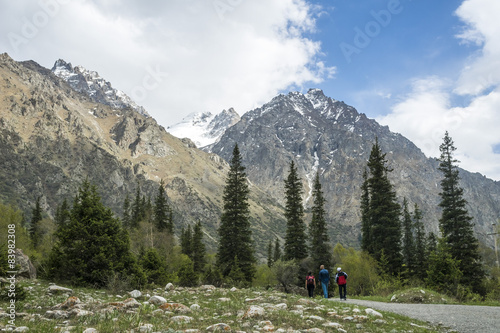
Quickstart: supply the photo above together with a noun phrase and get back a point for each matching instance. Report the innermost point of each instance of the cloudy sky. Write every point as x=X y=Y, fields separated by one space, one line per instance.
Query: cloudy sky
x=419 y=66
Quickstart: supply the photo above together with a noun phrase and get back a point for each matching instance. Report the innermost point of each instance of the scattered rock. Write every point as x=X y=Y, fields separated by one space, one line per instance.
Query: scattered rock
x=131 y=303
x=26 y=268
x=373 y=313
x=224 y=299
x=169 y=287
x=147 y=328
x=57 y=314
x=331 y=324
x=208 y=287
x=181 y=319
x=135 y=293
x=157 y=300
x=219 y=327
x=175 y=307
x=195 y=307
x=317 y=318
x=68 y=304
x=254 y=311
x=54 y=289
x=90 y=330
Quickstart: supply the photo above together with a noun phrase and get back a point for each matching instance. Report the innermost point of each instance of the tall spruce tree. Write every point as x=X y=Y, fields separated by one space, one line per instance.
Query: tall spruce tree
x=277 y=250
x=270 y=254
x=187 y=241
x=92 y=246
x=295 y=239
x=126 y=218
x=384 y=214
x=35 y=230
x=62 y=213
x=234 y=231
x=365 y=215
x=198 y=248
x=321 y=253
x=455 y=222
x=162 y=211
x=137 y=209
x=420 y=244
x=408 y=240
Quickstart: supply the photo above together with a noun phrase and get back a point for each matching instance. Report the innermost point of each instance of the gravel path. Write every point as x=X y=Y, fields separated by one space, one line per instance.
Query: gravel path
x=462 y=318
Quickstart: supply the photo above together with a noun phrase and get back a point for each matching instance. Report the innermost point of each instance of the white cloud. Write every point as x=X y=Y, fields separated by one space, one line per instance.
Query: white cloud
x=427 y=111
x=178 y=57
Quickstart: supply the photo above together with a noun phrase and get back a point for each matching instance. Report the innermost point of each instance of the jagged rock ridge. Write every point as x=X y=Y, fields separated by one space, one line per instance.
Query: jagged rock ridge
x=327 y=136
x=52 y=138
x=97 y=88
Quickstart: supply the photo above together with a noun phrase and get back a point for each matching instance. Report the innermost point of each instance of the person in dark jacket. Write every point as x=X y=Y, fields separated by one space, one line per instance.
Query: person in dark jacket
x=324 y=279
x=310 y=284
x=341 y=279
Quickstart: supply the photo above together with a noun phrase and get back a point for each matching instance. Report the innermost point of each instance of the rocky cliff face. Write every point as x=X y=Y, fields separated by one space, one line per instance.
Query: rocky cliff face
x=94 y=86
x=327 y=136
x=52 y=137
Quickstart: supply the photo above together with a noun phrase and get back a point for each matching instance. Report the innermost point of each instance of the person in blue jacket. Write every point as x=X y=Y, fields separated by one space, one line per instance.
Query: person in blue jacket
x=324 y=279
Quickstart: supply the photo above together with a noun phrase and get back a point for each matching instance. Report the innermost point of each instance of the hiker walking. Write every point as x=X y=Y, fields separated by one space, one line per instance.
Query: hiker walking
x=341 y=279
x=324 y=279
x=310 y=284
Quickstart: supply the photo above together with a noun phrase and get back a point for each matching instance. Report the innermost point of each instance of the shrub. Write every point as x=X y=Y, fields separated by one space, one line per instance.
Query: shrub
x=286 y=273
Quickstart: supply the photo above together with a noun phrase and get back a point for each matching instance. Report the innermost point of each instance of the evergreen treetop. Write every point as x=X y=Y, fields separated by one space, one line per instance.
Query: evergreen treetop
x=234 y=231
x=295 y=239
x=455 y=222
x=318 y=234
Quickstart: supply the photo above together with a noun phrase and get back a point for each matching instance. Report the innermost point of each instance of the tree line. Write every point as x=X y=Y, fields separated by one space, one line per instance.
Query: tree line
x=86 y=244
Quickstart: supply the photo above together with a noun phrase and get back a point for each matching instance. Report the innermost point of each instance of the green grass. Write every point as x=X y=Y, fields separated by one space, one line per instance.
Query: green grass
x=300 y=313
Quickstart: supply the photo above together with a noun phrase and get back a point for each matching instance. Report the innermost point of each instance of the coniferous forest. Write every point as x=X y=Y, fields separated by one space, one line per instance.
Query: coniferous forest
x=85 y=244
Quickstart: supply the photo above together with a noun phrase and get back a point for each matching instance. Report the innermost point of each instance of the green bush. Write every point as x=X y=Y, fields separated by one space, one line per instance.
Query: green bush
x=361 y=268
x=264 y=277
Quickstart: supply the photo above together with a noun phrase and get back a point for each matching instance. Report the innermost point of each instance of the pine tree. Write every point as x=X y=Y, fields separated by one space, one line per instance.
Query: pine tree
x=198 y=249
x=420 y=258
x=137 y=210
x=92 y=246
x=320 y=249
x=384 y=213
x=126 y=218
x=62 y=213
x=234 y=230
x=455 y=222
x=35 y=230
x=277 y=250
x=162 y=211
x=365 y=215
x=187 y=241
x=270 y=254
x=295 y=239
x=408 y=240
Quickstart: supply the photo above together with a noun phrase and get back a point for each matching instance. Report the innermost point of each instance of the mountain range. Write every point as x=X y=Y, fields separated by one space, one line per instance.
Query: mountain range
x=60 y=126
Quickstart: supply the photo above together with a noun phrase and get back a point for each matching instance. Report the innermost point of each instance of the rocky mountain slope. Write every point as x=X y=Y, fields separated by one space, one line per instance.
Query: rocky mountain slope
x=205 y=128
x=94 y=86
x=327 y=136
x=52 y=137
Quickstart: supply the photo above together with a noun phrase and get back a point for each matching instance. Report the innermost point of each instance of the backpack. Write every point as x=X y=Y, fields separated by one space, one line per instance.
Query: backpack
x=310 y=279
x=341 y=279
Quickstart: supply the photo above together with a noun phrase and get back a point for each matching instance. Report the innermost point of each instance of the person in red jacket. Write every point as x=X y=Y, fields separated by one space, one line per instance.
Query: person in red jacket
x=341 y=279
x=310 y=284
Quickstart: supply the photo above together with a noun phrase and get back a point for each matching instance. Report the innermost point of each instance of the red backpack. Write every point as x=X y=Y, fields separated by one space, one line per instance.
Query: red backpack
x=341 y=279
x=310 y=279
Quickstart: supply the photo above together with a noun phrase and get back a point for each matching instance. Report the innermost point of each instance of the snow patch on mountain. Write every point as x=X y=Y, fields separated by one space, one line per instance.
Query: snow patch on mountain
x=205 y=128
x=93 y=85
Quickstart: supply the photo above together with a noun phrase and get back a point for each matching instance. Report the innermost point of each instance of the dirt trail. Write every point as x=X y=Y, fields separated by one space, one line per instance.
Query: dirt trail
x=462 y=318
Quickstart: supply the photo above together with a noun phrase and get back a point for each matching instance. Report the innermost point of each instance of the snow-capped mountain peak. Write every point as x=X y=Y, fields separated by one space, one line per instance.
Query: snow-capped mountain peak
x=96 y=87
x=204 y=128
